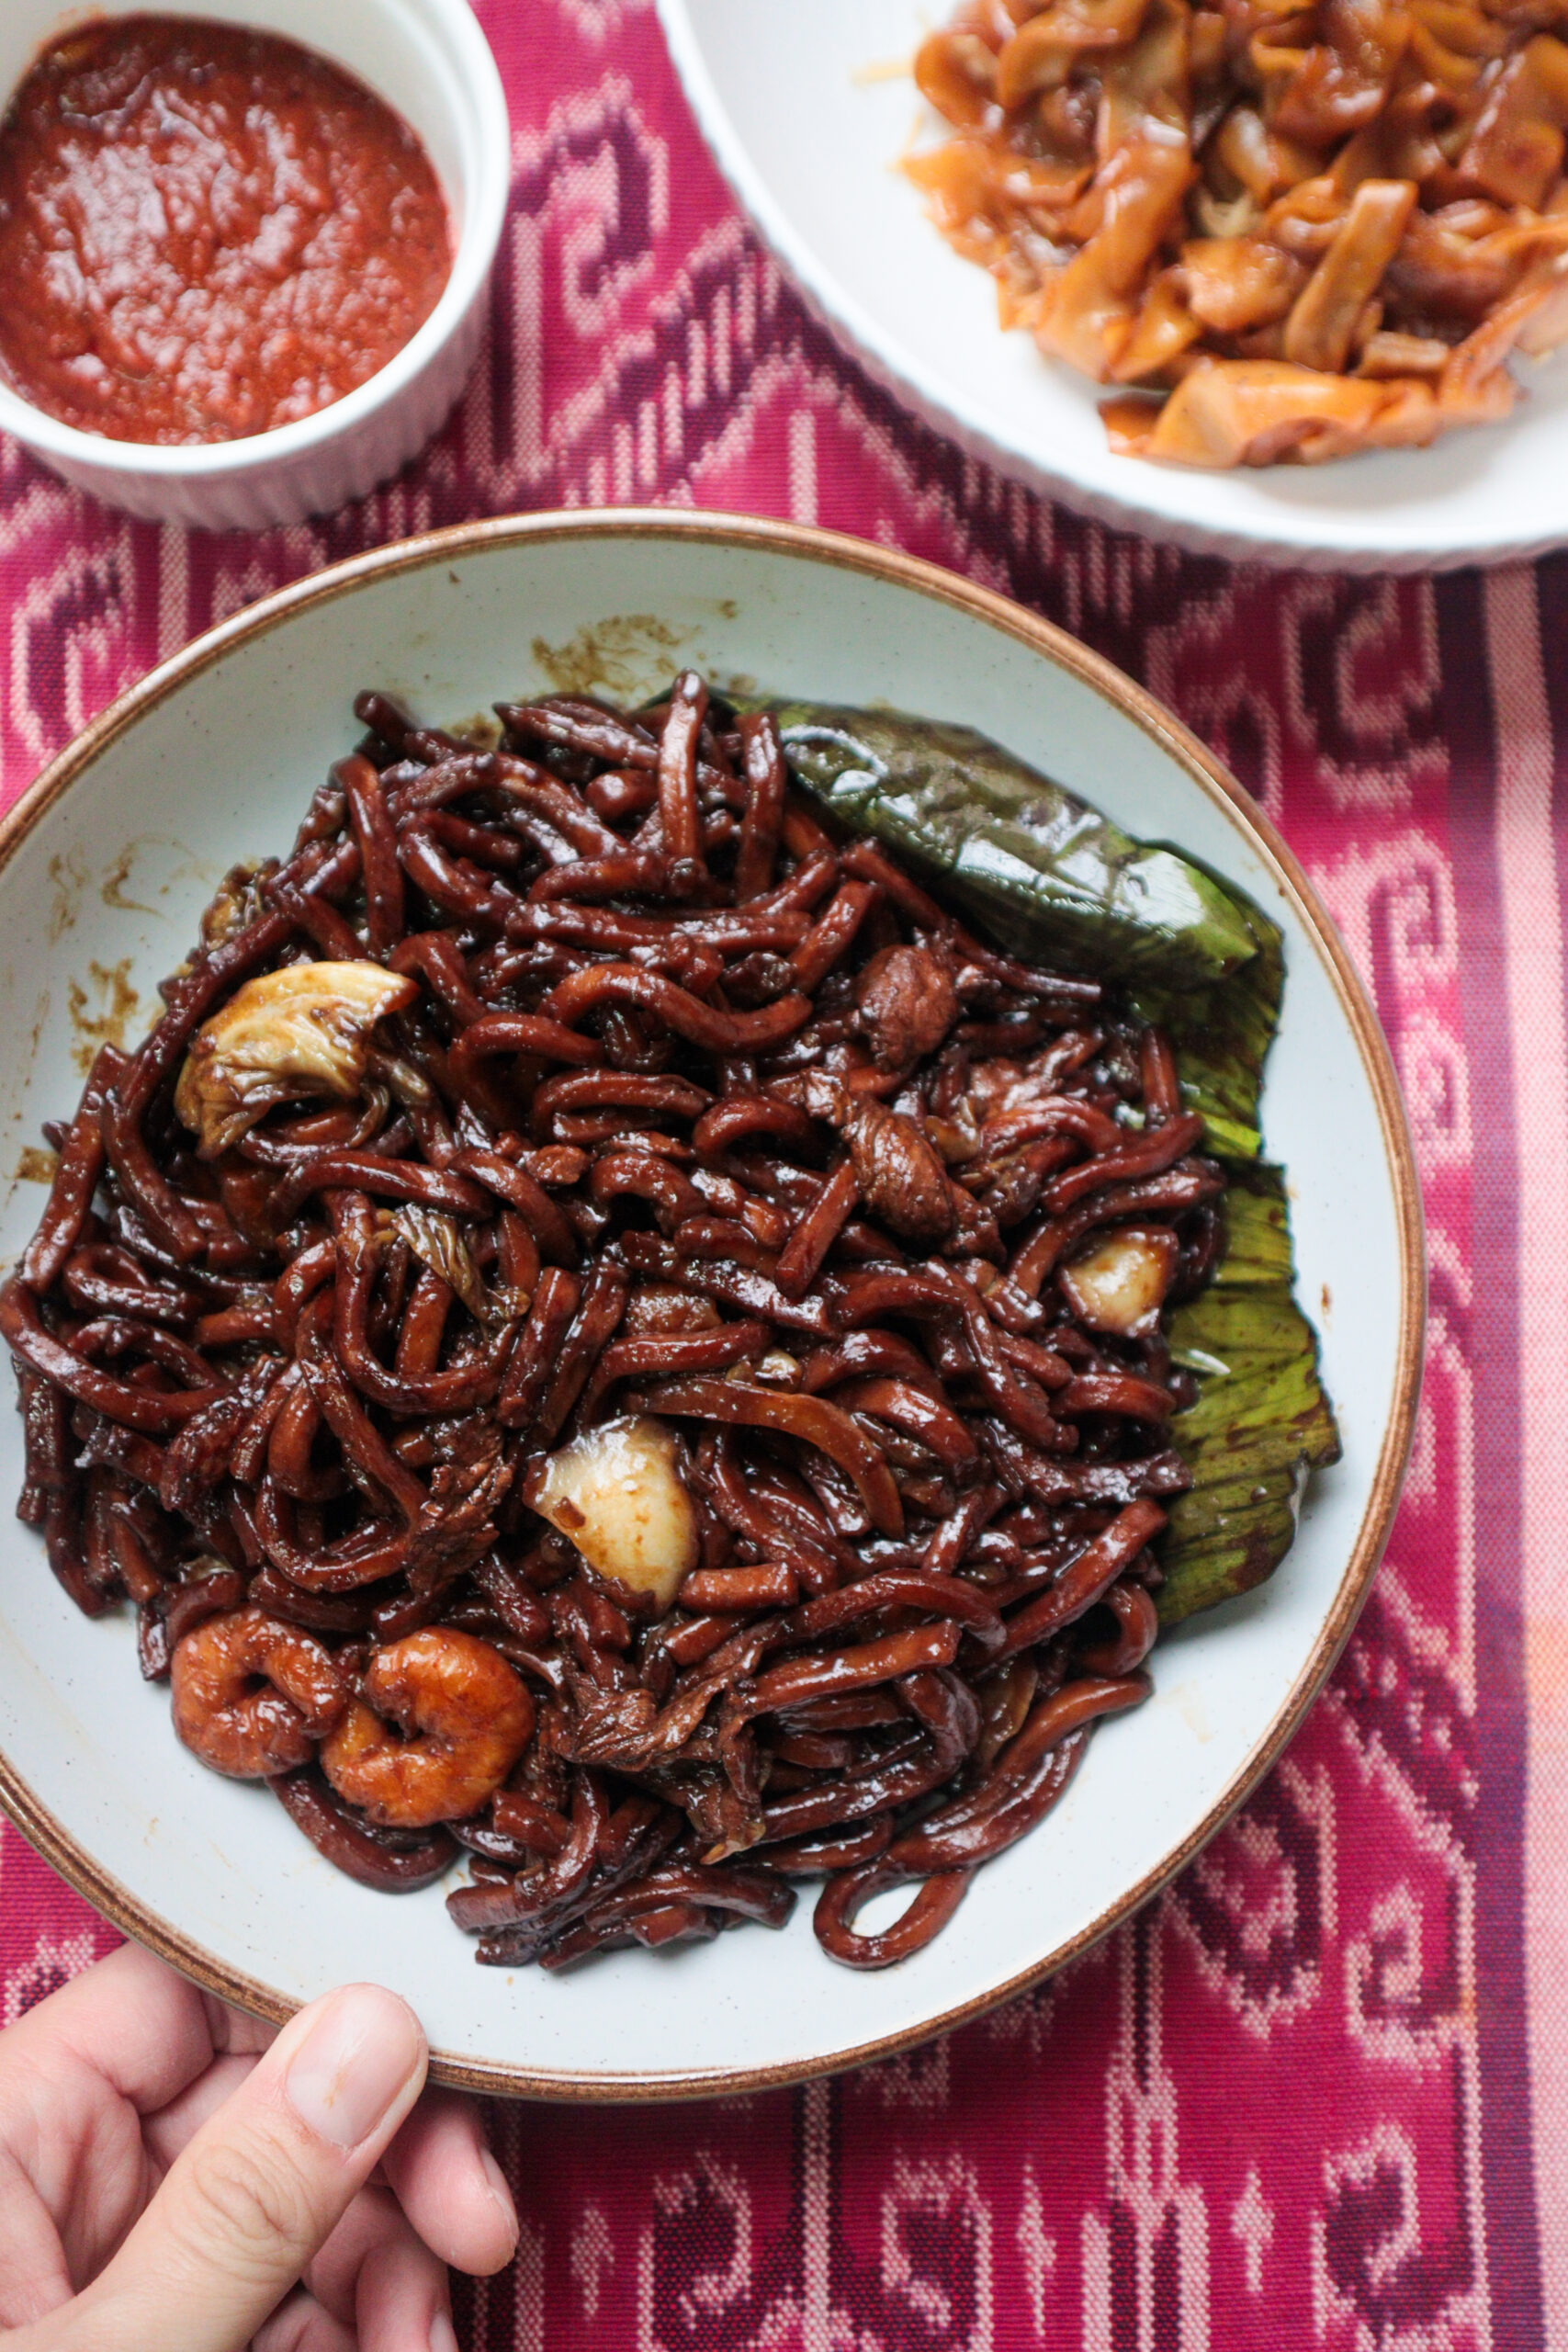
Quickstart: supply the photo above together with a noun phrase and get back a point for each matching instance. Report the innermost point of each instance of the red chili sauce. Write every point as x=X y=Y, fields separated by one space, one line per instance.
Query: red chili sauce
x=206 y=231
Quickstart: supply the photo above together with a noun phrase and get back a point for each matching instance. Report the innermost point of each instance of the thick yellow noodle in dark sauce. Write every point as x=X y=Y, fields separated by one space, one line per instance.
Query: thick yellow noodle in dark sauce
x=649 y=1109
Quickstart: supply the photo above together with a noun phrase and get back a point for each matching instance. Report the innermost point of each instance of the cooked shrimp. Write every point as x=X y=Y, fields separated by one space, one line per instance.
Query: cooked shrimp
x=252 y=1696
x=465 y=1718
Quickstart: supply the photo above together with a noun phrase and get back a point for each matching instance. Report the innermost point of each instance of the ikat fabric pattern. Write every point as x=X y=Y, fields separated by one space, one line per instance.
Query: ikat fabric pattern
x=1315 y=2097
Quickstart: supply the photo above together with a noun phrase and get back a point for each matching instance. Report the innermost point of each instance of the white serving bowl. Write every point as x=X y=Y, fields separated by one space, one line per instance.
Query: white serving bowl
x=429 y=60
x=104 y=868
x=810 y=140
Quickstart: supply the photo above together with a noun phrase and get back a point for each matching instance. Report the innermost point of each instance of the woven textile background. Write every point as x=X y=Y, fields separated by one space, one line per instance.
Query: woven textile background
x=1318 y=2095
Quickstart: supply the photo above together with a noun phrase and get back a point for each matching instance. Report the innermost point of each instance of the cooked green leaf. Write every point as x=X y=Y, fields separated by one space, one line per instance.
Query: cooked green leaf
x=1010 y=845
x=1259 y=1424
x=1222 y=1031
x=1048 y=877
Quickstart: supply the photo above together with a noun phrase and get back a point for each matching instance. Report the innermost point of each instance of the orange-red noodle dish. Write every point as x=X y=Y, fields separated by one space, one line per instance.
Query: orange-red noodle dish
x=1289 y=231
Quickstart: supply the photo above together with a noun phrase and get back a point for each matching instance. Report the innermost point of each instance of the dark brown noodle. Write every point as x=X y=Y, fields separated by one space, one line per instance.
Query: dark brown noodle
x=706 y=1118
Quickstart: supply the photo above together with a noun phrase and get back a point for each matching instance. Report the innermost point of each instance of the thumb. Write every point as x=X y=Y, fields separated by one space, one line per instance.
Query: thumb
x=264 y=2181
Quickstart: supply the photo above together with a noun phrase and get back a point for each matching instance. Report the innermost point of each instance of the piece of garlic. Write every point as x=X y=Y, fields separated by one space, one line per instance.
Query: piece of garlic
x=614 y=1493
x=302 y=1031
x=1119 y=1282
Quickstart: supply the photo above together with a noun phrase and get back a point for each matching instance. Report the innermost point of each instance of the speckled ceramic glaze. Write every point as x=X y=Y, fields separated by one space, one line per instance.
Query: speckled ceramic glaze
x=104 y=868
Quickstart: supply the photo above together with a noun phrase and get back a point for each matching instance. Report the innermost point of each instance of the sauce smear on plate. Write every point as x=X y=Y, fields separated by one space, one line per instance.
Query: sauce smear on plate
x=206 y=231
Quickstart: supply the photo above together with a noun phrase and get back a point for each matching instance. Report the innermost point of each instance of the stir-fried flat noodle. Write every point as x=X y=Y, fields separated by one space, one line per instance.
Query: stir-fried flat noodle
x=603 y=1328
x=1314 y=226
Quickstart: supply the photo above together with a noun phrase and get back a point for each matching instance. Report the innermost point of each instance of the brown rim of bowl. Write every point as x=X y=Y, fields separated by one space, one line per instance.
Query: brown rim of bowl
x=806 y=542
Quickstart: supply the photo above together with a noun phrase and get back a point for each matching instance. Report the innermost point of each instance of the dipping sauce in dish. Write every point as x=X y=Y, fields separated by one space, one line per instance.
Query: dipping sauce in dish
x=206 y=231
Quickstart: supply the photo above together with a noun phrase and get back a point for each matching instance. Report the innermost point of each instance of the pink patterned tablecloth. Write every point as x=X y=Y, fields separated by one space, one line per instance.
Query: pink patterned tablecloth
x=1318 y=2094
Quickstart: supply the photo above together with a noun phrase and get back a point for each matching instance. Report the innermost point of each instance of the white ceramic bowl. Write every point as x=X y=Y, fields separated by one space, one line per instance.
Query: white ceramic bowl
x=429 y=60
x=810 y=142
x=103 y=870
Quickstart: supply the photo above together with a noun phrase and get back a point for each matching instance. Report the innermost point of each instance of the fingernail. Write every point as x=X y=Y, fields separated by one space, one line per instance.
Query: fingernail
x=360 y=2053
x=443 y=2334
x=500 y=2189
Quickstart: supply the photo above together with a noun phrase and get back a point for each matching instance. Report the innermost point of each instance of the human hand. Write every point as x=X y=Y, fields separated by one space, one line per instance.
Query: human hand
x=175 y=2178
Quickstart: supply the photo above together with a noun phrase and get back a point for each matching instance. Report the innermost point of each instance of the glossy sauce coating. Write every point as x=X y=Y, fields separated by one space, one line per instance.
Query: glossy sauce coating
x=703 y=1142
x=206 y=232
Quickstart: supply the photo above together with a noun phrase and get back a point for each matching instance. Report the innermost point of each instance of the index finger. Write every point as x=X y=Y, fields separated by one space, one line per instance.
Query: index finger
x=450 y=2185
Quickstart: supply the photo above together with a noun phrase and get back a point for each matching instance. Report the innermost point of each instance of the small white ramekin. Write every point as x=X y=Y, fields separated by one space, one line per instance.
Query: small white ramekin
x=429 y=60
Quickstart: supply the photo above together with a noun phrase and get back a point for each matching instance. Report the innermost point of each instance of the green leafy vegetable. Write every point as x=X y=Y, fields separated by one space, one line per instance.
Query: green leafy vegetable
x=1261 y=1420
x=1013 y=846
x=1047 y=877
x=1222 y=1030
